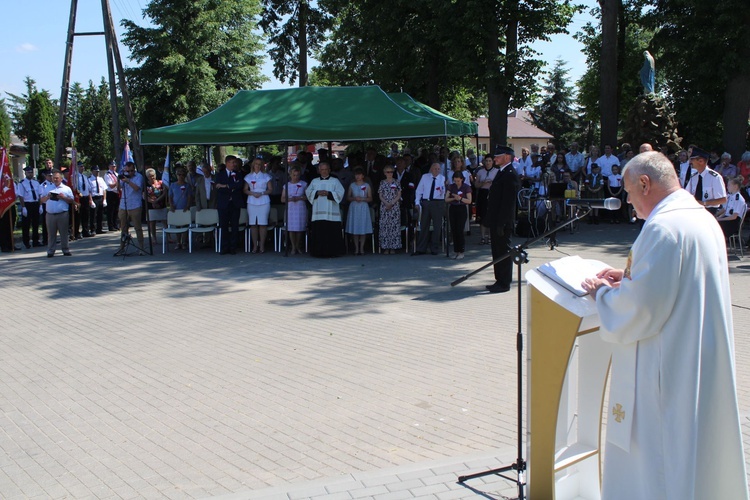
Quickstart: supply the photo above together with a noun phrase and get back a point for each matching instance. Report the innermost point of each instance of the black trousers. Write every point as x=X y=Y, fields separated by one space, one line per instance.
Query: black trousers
x=96 y=215
x=113 y=207
x=229 y=221
x=500 y=242
x=31 y=222
x=81 y=217
x=457 y=216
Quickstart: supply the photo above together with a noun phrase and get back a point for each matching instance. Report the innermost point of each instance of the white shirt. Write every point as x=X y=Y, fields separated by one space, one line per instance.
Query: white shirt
x=683 y=172
x=735 y=205
x=713 y=186
x=614 y=181
x=258 y=183
x=27 y=189
x=97 y=186
x=110 y=178
x=57 y=206
x=574 y=161
x=423 y=188
x=607 y=162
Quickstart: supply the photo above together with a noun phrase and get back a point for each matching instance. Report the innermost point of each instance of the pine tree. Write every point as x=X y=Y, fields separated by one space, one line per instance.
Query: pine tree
x=94 y=131
x=556 y=114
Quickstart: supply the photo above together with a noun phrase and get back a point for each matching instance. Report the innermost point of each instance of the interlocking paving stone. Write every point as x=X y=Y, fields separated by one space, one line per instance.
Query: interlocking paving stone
x=263 y=376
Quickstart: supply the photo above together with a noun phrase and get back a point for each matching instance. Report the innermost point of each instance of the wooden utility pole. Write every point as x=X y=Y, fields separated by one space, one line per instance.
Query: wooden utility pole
x=114 y=62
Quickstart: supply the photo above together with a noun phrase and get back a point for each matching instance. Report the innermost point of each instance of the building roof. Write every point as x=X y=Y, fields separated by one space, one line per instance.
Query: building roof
x=518 y=127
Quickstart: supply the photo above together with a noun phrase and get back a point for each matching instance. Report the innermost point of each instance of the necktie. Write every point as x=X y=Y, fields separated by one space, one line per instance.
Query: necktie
x=699 y=189
x=687 y=176
x=96 y=184
x=33 y=192
x=432 y=188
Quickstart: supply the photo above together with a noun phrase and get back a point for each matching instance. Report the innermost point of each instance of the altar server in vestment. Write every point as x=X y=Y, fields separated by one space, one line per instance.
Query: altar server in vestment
x=325 y=193
x=673 y=427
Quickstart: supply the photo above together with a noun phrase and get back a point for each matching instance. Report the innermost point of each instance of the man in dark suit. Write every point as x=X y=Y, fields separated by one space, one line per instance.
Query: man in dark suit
x=501 y=216
x=229 y=201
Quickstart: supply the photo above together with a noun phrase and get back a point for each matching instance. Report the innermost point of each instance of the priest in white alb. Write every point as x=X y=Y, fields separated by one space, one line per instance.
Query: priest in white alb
x=325 y=193
x=673 y=425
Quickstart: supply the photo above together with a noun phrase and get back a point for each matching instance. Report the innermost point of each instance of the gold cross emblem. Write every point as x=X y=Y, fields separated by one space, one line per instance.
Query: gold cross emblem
x=618 y=412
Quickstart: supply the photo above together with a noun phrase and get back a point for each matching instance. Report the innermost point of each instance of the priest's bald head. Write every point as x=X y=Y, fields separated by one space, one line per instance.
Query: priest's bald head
x=649 y=178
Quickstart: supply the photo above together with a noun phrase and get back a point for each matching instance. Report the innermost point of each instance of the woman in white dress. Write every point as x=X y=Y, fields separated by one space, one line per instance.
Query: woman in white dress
x=258 y=187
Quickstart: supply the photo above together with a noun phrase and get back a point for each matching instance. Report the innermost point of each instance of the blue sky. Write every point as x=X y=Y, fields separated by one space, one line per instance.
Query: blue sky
x=35 y=34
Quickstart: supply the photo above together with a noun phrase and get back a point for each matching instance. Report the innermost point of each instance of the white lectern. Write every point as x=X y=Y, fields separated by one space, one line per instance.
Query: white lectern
x=567 y=370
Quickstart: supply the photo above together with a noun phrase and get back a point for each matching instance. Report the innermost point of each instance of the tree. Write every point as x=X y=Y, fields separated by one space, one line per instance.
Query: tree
x=702 y=49
x=19 y=105
x=196 y=56
x=555 y=113
x=75 y=96
x=94 y=130
x=41 y=123
x=608 y=75
x=5 y=124
x=295 y=29
x=632 y=38
x=421 y=47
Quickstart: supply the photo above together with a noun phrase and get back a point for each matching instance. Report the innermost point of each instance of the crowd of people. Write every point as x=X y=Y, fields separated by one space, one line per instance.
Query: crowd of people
x=339 y=202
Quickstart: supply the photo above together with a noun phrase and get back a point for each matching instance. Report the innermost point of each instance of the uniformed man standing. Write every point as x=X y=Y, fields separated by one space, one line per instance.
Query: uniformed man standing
x=81 y=183
x=501 y=216
x=29 y=192
x=97 y=188
x=705 y=184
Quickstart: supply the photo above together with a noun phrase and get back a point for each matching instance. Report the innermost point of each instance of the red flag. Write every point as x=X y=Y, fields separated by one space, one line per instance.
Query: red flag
x=7 y=188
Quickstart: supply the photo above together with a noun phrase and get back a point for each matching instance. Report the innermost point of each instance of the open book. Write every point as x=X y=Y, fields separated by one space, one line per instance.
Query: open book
x=570 y=272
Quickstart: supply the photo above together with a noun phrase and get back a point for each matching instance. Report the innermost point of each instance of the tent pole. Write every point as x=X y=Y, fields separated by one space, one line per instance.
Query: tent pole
x=285 y=225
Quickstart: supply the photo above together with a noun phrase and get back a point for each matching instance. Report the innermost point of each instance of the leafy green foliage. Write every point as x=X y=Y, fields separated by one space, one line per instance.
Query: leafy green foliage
x=637 y=38
x=282 y=21
x=94 y=127
x=198 y=54
x=555 y=114
x=5 y=124
x=41 y=123
x=700 y=48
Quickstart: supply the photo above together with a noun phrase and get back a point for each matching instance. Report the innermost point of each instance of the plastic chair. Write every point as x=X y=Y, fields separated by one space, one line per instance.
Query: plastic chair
x=206 y=221
x=177 y=222
x=735 y=240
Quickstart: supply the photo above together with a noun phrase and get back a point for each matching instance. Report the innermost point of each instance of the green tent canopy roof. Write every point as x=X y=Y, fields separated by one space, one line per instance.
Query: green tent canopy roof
x=311 y=114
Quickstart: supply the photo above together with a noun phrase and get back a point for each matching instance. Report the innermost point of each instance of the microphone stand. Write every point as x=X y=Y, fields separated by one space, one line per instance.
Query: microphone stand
x=520 y=256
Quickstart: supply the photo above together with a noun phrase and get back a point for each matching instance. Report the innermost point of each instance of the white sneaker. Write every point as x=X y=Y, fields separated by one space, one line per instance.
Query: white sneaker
x=459 y=256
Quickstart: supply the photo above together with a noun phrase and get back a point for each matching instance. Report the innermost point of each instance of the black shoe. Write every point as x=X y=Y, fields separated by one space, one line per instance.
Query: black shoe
x=27 y=246
x=67 y=254
x=78 y=237
x=233 y=251
x=36 y=244
x=86 y=234
x=418 y=253
x=434 y=253
x=100 y=232
x=497 y=288
x=224 y=252
x=50 y=255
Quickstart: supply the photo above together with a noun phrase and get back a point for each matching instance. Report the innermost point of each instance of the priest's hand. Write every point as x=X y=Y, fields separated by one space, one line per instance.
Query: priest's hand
x=613 y=276
x=591 y=285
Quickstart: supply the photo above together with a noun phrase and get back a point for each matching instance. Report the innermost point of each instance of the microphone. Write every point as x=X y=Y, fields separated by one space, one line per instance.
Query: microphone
x=605 y=203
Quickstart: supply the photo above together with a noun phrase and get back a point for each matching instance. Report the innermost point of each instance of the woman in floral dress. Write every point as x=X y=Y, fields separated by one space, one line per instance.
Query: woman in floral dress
x=389 y=193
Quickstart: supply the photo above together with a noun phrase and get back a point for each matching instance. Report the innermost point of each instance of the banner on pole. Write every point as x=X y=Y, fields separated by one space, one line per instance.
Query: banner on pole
x=8 y=189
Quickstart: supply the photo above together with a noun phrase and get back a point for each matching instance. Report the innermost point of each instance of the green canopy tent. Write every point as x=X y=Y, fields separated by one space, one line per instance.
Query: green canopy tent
x=311 y=114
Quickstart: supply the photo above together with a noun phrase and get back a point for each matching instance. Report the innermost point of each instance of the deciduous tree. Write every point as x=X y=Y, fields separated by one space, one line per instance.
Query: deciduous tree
x=196 y=56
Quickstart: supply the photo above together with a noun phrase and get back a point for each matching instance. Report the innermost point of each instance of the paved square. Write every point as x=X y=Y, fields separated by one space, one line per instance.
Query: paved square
x=263 y=376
